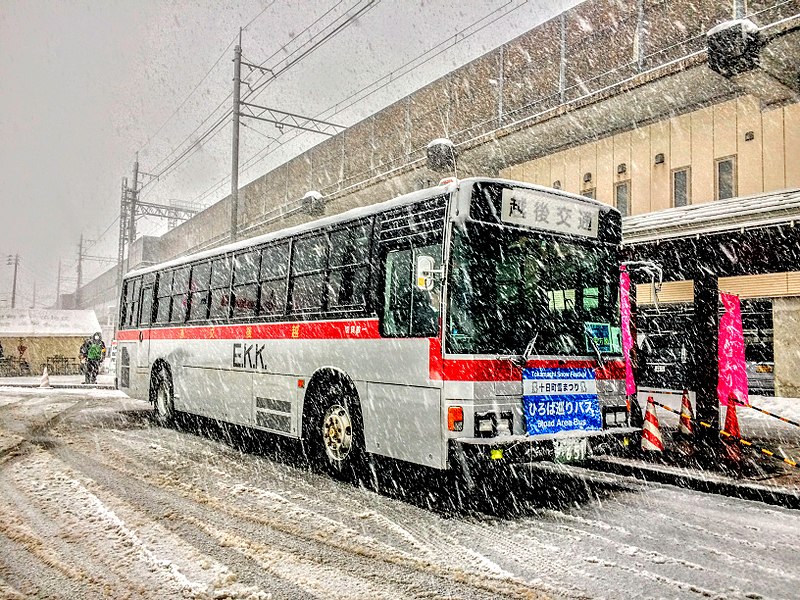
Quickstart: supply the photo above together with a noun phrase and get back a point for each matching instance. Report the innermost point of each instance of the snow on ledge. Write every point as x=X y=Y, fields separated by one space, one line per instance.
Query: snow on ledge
x=746 y=24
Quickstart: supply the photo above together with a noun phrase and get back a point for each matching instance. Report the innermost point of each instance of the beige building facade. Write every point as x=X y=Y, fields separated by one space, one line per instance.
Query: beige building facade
x=731 y=149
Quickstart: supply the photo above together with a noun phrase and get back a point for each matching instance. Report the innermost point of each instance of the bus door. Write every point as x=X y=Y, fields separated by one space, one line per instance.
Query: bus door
x=406 y=408
x=145 y=321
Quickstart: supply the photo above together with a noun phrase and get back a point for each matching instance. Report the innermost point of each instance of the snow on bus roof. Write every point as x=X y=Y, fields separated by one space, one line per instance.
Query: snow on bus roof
x=350 y=215
x=758 y=210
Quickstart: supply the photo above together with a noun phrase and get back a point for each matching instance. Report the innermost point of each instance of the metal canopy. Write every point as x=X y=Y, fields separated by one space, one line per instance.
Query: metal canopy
x=750 y=235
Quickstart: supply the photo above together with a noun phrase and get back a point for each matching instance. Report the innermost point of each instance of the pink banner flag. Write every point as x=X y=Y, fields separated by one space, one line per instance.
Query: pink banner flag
x=627 y=338
x=732 y=369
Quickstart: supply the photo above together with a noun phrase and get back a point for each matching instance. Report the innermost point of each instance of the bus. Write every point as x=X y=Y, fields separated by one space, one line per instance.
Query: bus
x=474 y=323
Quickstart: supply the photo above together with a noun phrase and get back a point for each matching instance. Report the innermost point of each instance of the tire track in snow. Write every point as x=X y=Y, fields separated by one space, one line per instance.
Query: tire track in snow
x=328 y=541
x=123 y=562
x=431 y=549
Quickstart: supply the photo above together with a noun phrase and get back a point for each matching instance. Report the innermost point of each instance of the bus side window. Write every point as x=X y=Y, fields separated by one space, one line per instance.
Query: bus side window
x=309 y=274
x=245 y=283
x=274 y=268
x=199 y=290
x=347 y=280
x=220 y=288
x=147 y=305
x=164 y=297
x=407 y=310
x=397 y=294
x=180 y=295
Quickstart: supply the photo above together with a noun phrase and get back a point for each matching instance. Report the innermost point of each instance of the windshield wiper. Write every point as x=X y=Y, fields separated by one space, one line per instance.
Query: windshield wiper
x=600 y=361
x=520 y=360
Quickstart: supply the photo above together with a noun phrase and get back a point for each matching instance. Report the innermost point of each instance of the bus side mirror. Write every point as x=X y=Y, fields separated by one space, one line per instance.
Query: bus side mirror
x=426 y=269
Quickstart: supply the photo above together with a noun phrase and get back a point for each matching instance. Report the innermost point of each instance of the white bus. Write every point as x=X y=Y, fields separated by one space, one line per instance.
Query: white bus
x=474 y=322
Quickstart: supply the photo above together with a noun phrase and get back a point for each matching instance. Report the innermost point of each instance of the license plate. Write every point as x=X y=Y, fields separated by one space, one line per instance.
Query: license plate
x=660 y=368
x=571 y=449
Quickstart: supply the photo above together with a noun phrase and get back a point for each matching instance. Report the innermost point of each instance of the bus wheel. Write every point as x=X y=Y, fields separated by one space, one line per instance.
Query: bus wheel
x=162 y=398
x=336 y=439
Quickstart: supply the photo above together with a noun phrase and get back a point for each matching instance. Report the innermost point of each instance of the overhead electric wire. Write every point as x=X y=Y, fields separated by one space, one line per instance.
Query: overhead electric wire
x=392 y=77
x=352 y=99
x=199 y=83
x=186 y=99
x=295 y=38
x=363 y=10
x=93 y=242
x=213 y=130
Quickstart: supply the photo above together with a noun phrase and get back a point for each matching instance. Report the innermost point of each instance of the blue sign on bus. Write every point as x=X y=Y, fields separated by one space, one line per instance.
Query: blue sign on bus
x=560 y=400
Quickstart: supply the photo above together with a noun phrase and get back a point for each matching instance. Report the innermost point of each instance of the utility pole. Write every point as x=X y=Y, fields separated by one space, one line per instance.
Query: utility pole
x=80 y=274
x=237 y=85
x=134 y=193
x=58 y=287
x=15 y=261
x=278 y=118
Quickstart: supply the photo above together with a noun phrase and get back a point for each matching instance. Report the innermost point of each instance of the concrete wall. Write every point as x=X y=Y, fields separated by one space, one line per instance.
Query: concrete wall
x=590 y=47
x=786 y=323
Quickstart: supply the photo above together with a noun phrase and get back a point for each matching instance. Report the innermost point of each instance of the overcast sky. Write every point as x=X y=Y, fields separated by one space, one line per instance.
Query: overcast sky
x=85 y=85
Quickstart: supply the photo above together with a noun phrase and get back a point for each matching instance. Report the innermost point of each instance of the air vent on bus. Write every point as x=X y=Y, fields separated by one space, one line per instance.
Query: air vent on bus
x=274 y=421
x=414 y=220
x=273 y=404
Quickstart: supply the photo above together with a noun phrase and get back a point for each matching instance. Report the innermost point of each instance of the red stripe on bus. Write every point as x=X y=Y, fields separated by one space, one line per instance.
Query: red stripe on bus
x=440 y=369
x=314 y=330
x=449 y=369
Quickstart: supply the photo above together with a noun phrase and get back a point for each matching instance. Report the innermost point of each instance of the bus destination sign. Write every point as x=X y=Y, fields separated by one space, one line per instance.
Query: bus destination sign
x=538 y=210
x=560 y=400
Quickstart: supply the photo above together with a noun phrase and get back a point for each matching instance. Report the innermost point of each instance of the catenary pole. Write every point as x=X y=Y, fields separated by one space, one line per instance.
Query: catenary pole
x=14 y=284
x=80 y=274
x=237 y=81
x=58 y=286
x=133 y=193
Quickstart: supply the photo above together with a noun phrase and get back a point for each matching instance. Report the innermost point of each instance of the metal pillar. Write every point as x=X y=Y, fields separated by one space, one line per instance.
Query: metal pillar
x=636 y=417
x=79 y=274
x=133 y=193
x=705 y=367
x=237 y=84
x=15 y=262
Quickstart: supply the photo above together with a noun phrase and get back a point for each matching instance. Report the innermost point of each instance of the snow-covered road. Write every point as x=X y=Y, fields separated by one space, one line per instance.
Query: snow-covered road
x=96 y=502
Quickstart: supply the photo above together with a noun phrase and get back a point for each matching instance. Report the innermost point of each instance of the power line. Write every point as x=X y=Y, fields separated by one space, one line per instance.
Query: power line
x=393 y=76
x=105 y=231
x=297 y=37
x=199 y=83
x=337 y=29
x=274 y=74
x=229 y=112
x=214 y=129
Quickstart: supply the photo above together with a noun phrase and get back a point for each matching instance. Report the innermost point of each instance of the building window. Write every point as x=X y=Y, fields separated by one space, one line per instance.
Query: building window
x=680 y=187
x=725 y=177
x=622 y=197
x=590 y=193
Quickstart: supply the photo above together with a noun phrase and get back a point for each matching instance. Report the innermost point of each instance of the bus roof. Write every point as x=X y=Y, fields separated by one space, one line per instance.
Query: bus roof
x=350 y=215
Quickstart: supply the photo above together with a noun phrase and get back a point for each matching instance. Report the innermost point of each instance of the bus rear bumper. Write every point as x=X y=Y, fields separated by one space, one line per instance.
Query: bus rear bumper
x=569 y=446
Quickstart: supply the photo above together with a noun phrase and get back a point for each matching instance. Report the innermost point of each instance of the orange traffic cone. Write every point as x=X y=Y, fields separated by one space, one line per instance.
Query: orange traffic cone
x=732 y=448
x=686 y=426
x=651 y=434
x=45 y=380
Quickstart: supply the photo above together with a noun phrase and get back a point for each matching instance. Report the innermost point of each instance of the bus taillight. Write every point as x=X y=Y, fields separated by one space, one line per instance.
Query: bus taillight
x=455 y=418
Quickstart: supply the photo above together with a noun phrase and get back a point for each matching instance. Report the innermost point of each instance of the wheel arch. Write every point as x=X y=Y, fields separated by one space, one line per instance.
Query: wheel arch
x=316 y=389
x=160 y=368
